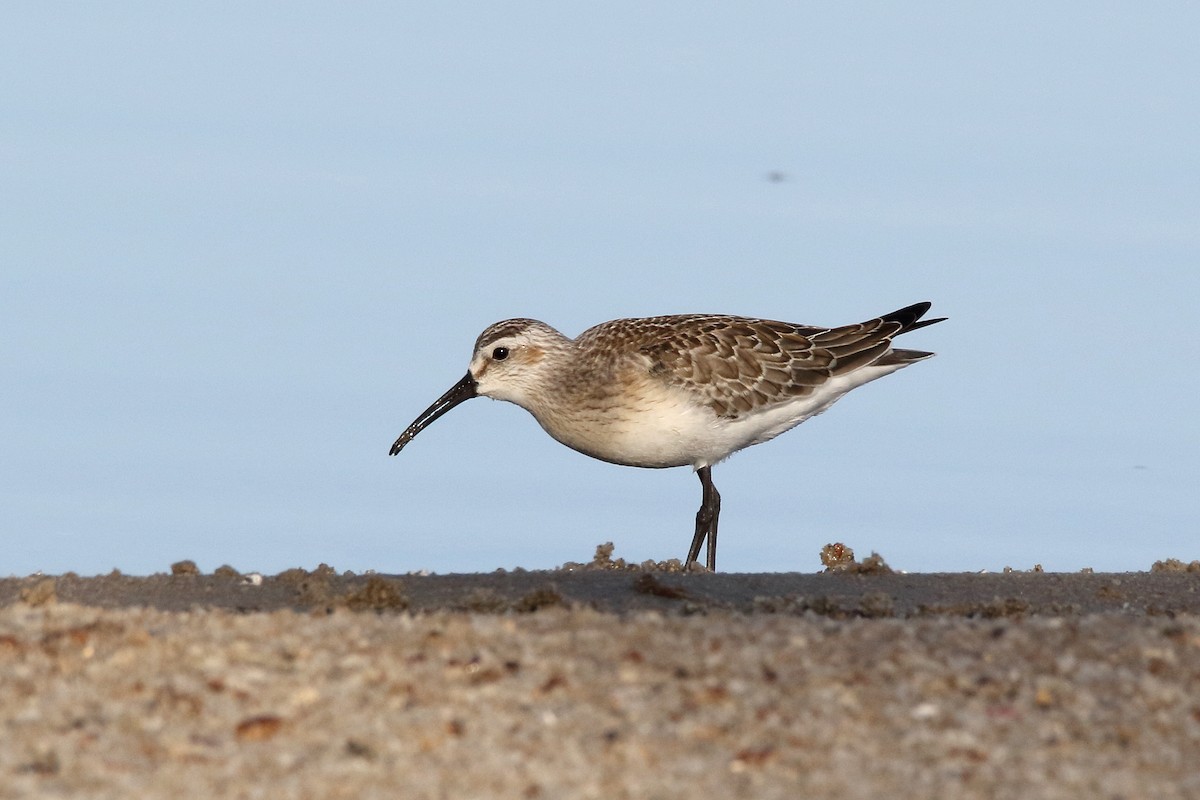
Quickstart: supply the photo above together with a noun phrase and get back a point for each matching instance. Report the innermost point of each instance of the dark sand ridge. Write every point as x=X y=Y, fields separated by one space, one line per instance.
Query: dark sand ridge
x=847 y=588
x=603 y=681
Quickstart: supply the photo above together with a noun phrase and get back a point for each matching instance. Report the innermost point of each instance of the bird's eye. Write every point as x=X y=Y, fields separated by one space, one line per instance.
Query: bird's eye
x=500 y=353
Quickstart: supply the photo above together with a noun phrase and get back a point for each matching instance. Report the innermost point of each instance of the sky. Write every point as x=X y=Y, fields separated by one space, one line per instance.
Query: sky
x=242 y=246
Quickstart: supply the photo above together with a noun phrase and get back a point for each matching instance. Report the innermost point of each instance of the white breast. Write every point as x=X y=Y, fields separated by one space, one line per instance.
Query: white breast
x=662 y=426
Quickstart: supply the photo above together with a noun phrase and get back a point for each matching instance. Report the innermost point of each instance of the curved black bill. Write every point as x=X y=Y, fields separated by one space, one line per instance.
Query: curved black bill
x=463 y=390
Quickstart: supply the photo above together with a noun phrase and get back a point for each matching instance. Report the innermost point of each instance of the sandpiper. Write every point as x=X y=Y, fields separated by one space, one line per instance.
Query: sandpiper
x=673 y=391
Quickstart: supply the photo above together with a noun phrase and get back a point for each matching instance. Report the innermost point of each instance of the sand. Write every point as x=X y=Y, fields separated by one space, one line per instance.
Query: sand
x=604 y=683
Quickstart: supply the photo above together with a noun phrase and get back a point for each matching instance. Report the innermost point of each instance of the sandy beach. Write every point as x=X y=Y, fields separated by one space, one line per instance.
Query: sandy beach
x=602 y=681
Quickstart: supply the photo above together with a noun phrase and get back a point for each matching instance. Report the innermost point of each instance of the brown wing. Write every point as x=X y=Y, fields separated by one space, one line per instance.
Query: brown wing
x=739 y=364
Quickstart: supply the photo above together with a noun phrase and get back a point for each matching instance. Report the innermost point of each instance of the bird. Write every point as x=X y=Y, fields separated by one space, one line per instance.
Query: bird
x=677 y=390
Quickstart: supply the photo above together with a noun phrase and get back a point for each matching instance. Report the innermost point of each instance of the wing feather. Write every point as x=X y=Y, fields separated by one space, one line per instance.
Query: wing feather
x=737 y=365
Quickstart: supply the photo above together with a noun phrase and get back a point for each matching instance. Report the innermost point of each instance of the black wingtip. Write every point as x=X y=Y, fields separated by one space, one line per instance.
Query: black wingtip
x=909 y=317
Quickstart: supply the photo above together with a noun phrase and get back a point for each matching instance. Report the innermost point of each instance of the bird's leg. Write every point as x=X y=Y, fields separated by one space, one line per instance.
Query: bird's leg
x=706 y=520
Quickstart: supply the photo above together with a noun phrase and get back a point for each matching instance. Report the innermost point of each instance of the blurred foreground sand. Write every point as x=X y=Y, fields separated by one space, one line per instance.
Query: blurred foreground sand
x=790 y=696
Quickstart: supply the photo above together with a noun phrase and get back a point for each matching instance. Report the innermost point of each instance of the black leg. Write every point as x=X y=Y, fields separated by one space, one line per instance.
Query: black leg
x=706 y=520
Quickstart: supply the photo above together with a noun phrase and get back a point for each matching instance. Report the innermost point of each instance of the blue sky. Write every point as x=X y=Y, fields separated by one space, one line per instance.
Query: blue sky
x=244 y=245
